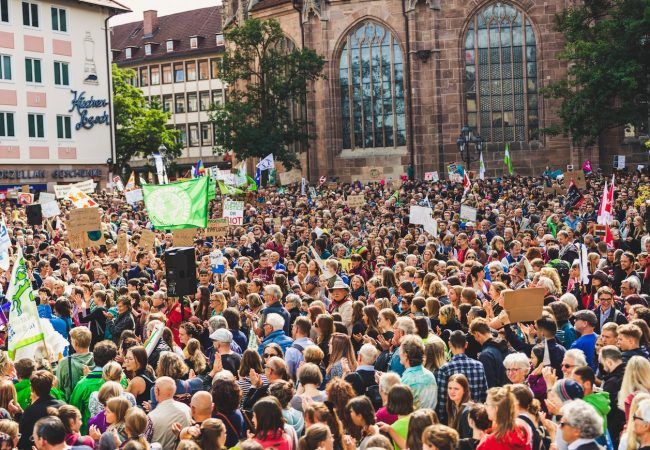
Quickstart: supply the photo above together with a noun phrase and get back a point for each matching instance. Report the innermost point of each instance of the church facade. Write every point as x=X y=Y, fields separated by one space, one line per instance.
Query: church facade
x=403 y=77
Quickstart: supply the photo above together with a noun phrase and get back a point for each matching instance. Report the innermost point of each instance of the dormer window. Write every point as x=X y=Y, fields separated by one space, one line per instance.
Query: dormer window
x=220 y=39
x=194 y=42
x=170 y=46
x=128 y=53
x=147 y=49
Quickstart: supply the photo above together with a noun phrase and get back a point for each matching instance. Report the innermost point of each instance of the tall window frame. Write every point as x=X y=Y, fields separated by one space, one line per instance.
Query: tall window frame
x=372 y=83
x=501 y=91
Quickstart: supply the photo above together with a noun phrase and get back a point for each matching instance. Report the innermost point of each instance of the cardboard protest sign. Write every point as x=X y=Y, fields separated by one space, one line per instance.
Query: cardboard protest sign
x=578 y=176
x=290 y=177
x=25 y=188
x=147 y=240
x=524 y=305
x=356 y=201
x=217 y=227
x=184 y=237
x=85 y=227
x=122 y=244
x=376 y=173
x=468 y=213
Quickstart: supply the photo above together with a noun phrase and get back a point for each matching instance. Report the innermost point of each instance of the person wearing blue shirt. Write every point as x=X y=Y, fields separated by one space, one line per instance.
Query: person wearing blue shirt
x=585 y=324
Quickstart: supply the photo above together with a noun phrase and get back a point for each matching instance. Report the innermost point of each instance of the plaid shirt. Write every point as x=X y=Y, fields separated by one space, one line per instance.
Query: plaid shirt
x=475 y=374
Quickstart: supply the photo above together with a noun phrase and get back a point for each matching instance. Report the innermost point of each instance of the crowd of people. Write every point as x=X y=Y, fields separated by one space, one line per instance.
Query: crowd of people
x=339 y=328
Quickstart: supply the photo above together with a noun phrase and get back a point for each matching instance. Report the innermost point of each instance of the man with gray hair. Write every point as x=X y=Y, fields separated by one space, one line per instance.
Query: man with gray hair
x=403 y=327
x=167 y=412
x=273 y=332
x=363 y=379
x=630 y=286
x=272 y=297
x=580 y=426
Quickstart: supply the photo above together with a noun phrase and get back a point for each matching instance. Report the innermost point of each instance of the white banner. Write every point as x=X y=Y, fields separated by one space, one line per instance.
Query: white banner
x=5 y=243
x=50 y=209
x=134 y=196
x=419 y=215
x=468 y=213
x=87 y=187
x=46 y=197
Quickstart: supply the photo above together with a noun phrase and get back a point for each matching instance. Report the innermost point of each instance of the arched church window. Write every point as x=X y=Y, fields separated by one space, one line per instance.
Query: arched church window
x=501 y=85
x=371 y=73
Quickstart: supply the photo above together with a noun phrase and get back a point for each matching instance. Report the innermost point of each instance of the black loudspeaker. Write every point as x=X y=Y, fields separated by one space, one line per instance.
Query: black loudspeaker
x=180 y=263
x=34 y=214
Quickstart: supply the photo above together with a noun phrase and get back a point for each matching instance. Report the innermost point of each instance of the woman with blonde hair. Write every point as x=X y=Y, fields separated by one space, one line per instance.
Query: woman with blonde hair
x=435 y=353
x=508 y=431
x=98 y=400
x=635 y=380
x=116 y=411
x=9 y=398
x=194 y=357
x=551 y=273
x=629 y=440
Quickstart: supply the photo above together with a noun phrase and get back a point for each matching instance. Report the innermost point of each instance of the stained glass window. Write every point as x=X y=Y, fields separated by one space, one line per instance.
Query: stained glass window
x=501 y=92
x=371 y=74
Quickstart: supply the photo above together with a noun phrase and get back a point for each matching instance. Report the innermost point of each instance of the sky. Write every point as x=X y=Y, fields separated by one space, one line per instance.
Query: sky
x=163 y=7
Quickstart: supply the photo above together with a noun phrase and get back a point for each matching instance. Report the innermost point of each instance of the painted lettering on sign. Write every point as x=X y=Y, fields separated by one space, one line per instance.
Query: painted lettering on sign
x=83 y=105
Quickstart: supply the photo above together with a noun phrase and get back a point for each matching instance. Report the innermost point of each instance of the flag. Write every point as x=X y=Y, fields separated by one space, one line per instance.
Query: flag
x=130 y=185
x=258 y=177
x=154 y=338
x=25 y=333
x=212 y=189
x=266 y=163
x=481 y=168
x=228 y=190
x=178 y=205
x=586 y=167
x=584 y=264
x=609 y=238
x=573 y=197
x=605 y=210
x=160 y=168
x=5 y=243
x=303 y=183
x=199 y=170
x=467 y=184
x=396 y=197
x=507 y=160
x=252 y=185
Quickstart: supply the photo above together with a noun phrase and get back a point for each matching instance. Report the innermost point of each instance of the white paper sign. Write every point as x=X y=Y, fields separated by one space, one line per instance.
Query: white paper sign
x=234 y=212
x=431 y=176
x=431 y=227
x=50 y=209
x=419 y=215
x=79 y=199
x=619 y=162
x=87 y=187
x=468 y=213
x=134 y=196
x=46 y=197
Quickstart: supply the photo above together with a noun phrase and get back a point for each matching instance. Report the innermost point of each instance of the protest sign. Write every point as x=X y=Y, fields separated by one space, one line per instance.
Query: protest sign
x=356 y=201
x=431 y=176
x=122 y=244
x=217 y=227
x=468 y=213
x=117 y=183
x=79 y=199
x=524 y=305
x=134 y=196
x=85 y=227
x=87 y=187
x=578 y=176
x=376 y=173
x=50 y=209
x=234 y=212
x=46 y=197
x=25 y=198
x=147 y=240
x=290 y=177
x=184 y=237
x=25 y=188
x=419 y=215
x=431 y=227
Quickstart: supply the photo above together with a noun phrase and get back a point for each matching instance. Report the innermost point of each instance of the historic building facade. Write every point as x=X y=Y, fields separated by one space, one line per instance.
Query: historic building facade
x=475 y=62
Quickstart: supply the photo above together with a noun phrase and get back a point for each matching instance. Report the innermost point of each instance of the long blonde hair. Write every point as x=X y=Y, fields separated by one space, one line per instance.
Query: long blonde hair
x=636 y=379
x=632 y=440
x=552 y=274
x=505 y=403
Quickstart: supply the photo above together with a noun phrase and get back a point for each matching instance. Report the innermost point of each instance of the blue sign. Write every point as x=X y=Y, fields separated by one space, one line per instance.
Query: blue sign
x=83 y=105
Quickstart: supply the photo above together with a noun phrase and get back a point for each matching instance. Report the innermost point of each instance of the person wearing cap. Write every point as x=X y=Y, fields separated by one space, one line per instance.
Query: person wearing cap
x=274 y=333
x=341 y=302
x=585 y=324
x=606 y=311
x=222 y=338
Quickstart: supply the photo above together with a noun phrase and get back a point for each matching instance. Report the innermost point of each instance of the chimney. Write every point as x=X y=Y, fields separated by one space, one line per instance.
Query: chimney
x=150 y=22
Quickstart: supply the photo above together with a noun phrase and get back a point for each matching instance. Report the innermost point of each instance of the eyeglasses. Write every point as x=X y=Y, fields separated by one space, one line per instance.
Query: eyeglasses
x=635 y=417
x=564 y=424
x=568 y=366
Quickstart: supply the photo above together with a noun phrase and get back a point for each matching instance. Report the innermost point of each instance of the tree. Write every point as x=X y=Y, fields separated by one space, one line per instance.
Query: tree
x=607 y=43
x=266 y=77
x=140 y=128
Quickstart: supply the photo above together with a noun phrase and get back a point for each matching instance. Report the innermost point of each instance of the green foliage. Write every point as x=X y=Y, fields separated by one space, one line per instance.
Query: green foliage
x=266 y=79
x=140 y=128
x=607 y=43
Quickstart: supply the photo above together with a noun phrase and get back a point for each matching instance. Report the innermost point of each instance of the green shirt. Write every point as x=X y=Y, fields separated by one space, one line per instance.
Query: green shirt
x=401 y=427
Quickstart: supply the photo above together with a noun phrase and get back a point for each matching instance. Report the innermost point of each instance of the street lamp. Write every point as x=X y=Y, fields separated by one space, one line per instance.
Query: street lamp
x=465 y=139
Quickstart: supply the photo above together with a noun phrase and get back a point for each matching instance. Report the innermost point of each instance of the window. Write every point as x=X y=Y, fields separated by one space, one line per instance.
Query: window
x=7 y=124
x=155 y=75
x=4 y=11
x=191 y=70
x=194 y=134
x=61 y=77
x=179 y=73
x=192 y=105
x=501 y=75
x=217 y=97
x=5 y=67
x=144 y=77
x=167 y=74
x=30 y=14
x=371 y=74
x=59 y=19
x=205 y=134
x=35 y=123
x=33 y=70
x=170 y=46
x=179 y=103
x=147 y=49
x=182 y=138
x=128 y=53
x=63 y=127
x=167 y=103
x=204 y=101
x=219 y=39
x=214 y=68
x=194 y=42
x=204 y=70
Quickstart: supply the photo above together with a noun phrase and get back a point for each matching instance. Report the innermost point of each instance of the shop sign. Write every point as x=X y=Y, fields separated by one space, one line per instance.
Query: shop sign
x=85 y=106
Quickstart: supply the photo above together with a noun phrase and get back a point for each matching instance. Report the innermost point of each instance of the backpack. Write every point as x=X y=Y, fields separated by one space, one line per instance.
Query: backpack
x=372 y=392
x=184 y=397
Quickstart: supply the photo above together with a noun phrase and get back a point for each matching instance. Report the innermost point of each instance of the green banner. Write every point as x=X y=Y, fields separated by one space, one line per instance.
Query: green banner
x=178 y=205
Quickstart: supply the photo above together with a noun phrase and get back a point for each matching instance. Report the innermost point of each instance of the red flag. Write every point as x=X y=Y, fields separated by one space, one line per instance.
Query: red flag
x=609 y=239
x=605 y=209
x=467 y=184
